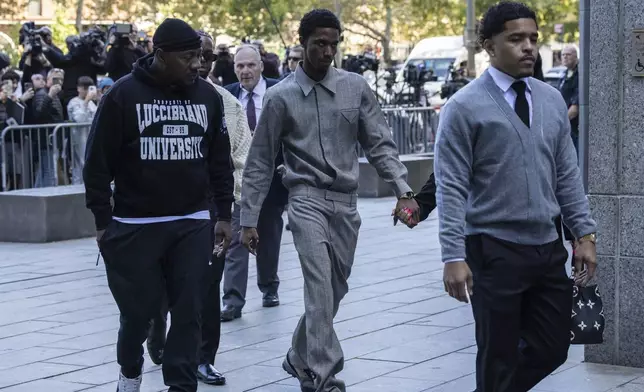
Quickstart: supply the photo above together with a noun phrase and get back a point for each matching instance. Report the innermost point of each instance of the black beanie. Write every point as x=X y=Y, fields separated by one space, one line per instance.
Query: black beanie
x=4 y=61
x=175 y=35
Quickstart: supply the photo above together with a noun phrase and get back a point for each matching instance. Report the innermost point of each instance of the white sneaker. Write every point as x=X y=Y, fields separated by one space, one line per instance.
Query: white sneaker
x=129 y=384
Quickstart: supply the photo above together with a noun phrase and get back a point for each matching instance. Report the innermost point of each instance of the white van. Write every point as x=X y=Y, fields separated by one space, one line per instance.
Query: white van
x=438 y=54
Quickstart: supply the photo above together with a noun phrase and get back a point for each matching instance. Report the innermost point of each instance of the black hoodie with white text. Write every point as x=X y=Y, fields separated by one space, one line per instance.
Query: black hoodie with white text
x=166 y=149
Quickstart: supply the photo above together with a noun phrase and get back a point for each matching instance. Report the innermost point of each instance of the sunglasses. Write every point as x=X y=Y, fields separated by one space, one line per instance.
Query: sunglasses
x=209 y=56
x=294 y=59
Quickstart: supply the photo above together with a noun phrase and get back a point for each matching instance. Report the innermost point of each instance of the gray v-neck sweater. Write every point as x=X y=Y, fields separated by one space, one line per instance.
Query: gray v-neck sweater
x=496 y=176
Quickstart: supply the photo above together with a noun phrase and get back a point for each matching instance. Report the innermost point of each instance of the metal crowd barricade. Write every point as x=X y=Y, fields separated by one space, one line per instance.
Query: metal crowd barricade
x=22 y=147
x=33 y=156
x=69 y=141
x=413 y=129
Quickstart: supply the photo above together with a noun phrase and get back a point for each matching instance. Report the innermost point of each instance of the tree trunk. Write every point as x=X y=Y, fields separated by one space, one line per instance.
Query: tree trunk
x=79 y=16
x=386 y=40
x=338 y=13
x=386 y=51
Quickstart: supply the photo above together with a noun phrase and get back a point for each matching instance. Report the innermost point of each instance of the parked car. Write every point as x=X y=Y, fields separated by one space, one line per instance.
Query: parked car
x=554 y=75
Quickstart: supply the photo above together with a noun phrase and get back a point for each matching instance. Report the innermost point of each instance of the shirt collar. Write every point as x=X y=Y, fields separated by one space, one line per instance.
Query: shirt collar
x=259 y=90
x=505 y=81
x=572 y=71
x=207 y=79
x=306 y=83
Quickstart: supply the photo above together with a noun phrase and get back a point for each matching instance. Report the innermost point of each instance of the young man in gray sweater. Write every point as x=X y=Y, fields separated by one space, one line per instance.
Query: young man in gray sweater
x=505 y=170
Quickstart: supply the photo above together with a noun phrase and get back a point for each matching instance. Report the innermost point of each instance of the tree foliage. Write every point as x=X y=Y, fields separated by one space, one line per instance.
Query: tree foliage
x=379 y=20
x=61 y=28
x=448 y=17
x=239 y=19
x=13 y=9
x=9 y=43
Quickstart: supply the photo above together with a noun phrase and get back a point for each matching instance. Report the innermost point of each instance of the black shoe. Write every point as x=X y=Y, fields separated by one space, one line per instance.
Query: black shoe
x=207 y=374
x=156 y=340
x=229 y=313
x=270 y=300
x=305 y=377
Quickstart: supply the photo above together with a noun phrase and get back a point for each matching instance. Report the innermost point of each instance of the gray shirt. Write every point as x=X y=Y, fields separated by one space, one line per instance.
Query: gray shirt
x=318 y=125
x=496 y=176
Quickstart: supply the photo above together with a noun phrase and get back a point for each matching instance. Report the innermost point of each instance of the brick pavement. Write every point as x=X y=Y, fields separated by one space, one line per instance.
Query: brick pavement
x=400 y=332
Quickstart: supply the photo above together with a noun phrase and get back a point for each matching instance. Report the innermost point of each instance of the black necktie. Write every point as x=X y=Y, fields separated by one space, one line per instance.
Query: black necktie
x=521 y=106
x=250 y=112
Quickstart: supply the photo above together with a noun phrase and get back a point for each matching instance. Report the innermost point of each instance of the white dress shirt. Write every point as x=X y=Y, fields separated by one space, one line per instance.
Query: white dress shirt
x=258 y=97
x=505 y=81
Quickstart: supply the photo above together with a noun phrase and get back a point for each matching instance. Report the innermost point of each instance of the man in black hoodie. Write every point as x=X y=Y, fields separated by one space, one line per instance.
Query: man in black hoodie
x=159 y=134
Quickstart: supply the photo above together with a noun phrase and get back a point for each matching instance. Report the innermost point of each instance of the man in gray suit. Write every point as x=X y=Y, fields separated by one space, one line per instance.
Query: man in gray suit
x=506 y=169
x=318 y=115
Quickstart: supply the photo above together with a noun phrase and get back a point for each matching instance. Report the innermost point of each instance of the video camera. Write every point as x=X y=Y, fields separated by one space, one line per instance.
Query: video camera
x=90 y=42
x=30 y=36
x=456 y=82
x=360 y=64
x=417 y=75
x=121 y=33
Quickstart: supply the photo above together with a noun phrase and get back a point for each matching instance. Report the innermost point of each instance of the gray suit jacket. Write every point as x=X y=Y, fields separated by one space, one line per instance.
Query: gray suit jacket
x=496 y=176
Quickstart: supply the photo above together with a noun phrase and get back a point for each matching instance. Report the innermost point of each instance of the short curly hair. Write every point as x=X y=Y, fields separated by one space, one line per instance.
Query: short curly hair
x=317 y=18
x=493 y=22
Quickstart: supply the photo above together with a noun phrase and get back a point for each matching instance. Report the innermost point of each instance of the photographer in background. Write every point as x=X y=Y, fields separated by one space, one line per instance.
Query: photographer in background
x=12 y=112
x=144 y=41
x=360 y=63
x=103 y=87
x=86 y=57
x=293 y=58
x=122 y=50
x=456 y=81
x=5 y=62
x=224 y=70
x=46 y=109
x=33 y=61
x=271 y=61
x=14 y=91
x=81 y=109
x=16 y=87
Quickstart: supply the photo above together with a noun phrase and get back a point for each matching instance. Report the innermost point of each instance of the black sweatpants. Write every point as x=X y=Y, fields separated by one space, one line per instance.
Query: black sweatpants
x=211 y=328
x=144 y=262
x=522 y=301
x=211 y=314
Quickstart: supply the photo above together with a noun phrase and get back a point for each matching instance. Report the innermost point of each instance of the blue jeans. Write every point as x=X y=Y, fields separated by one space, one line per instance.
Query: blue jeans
x=78 y=141
x=45 y=173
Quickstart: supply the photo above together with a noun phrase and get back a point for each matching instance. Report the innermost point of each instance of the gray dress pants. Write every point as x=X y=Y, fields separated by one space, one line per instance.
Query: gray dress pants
x=325 y=228
x=270 y=228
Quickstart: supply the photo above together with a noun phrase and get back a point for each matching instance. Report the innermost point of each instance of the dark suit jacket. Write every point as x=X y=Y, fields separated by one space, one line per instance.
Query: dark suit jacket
x=277 y=194
x=569 y=88
x=235 y=88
